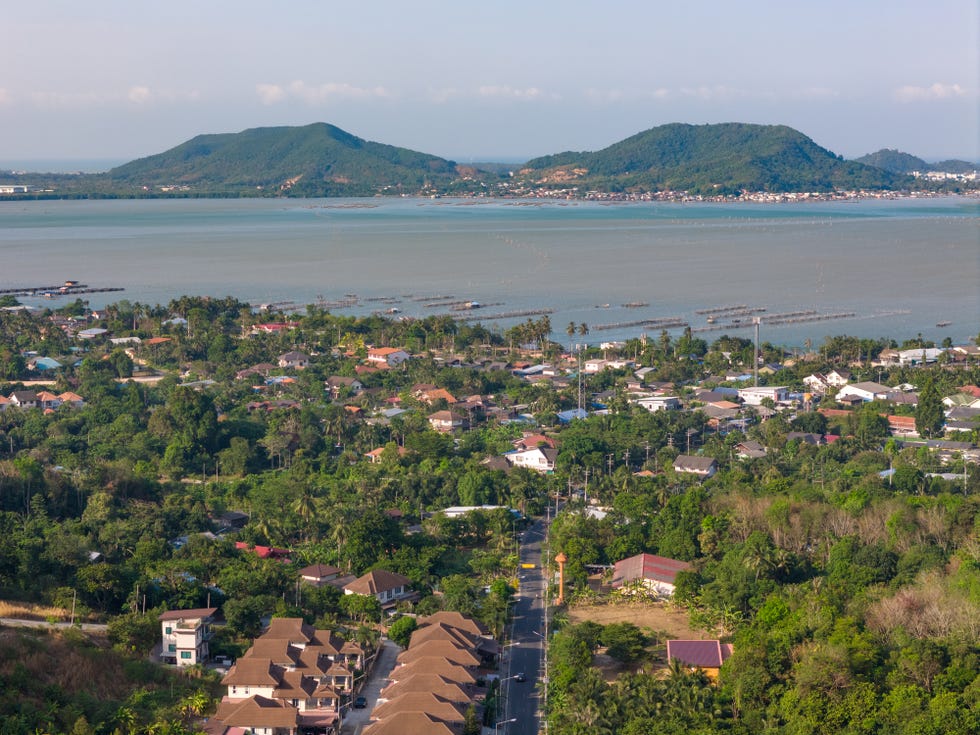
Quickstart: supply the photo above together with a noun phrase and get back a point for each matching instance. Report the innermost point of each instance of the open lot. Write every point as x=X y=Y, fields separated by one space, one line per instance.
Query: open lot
x=655 y=616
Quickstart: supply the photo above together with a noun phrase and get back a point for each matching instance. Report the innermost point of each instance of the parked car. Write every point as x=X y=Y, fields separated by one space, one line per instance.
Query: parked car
x=360 y=702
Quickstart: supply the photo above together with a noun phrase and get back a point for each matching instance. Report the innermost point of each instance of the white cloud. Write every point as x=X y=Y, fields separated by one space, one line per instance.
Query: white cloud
x=316 y=94
x=507 y=92
x=138 y=94
x=62 y=100
x=442 y=95
x=269 y=94
x=712 y=94
x=937 y=91
x=815 y=93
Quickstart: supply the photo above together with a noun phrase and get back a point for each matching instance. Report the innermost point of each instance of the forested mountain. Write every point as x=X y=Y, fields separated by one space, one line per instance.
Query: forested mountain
x=313 y=160
x=903 y=163
x=712 y=159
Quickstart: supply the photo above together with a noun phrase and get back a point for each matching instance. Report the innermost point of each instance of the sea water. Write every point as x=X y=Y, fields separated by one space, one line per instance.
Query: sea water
x=898 y=266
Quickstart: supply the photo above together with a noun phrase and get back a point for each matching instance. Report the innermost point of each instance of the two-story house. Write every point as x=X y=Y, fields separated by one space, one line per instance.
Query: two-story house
x=185 y=635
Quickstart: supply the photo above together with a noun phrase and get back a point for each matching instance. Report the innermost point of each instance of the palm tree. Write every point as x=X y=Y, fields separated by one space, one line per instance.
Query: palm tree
x=570 y=331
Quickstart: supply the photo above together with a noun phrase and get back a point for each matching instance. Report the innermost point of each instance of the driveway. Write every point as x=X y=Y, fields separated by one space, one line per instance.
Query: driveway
x=355 y=719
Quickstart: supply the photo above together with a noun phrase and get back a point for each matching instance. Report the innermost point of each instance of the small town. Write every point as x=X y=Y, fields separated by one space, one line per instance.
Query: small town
x=304 y=523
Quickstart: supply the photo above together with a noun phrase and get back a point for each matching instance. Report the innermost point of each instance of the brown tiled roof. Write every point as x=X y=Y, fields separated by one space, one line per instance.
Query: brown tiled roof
x=434 y=683
x=278 y=650
x=412 y=723
x=433 y=665
x=421 y=702
x=249 y=671
x=295 y=630
x=443 y=649
x=295 y=685
x=318 y=571
x=193 y=614
x=456 y=620
x=257 y=712
x=442 y=632
x=376 y=582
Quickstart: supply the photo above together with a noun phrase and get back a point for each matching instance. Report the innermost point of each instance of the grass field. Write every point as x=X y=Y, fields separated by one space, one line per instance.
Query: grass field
x=654 y=617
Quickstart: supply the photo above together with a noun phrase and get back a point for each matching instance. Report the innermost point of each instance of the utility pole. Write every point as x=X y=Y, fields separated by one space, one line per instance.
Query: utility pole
x=756 y=321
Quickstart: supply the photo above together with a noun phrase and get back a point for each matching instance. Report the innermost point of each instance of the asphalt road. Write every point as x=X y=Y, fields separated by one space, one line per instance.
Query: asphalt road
x=525 y=654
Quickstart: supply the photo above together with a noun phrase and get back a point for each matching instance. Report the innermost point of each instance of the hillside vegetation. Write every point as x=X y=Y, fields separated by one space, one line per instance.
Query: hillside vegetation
x=314 y=160
x=712 y=159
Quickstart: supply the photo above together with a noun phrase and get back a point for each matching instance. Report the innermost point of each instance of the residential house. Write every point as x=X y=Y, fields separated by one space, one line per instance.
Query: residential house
x=294 y=360
x=703 y=467
x=23 y=399
x=446 y=421
x=185 y=635
x=413 y=723
x=258 y=715
x=755 y=395
x=319 y=575
x=659 y=403
x=654 y=573
x=387 y=356
x=339 y=383
x=705 y=655
x=865 y=391
x=388 y=587
x=539 y=459
x=749 y=450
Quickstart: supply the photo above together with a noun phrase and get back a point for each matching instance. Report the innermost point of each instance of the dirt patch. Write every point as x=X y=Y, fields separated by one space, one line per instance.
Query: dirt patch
x=651 y=616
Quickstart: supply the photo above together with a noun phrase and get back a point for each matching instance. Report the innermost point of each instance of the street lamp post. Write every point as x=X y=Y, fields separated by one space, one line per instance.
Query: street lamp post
x=502 y=722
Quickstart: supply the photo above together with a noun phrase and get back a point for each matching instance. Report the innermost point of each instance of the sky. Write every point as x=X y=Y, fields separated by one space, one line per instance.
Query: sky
x=500 y=81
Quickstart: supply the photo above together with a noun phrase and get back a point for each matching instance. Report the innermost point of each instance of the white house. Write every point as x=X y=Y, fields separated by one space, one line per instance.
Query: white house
x=866 y=391
x=659 y=403
x=540 y=459
x=185 y=635
x=390 y=356
x=755 y=395
x=703 y=467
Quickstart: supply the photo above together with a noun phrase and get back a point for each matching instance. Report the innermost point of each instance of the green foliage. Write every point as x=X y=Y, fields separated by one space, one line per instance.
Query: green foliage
x=401 y=630
x=719 y=159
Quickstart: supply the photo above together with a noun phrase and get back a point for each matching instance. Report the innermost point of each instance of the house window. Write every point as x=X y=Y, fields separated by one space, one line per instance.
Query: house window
x=172 y=647
x=186 y=654
x=168 y=630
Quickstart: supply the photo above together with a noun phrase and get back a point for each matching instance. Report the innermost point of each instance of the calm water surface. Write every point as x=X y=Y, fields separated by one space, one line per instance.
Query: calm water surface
x=901 y=266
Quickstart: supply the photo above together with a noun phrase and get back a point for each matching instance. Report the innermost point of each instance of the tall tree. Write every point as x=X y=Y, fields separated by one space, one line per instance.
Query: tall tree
x=929 y=412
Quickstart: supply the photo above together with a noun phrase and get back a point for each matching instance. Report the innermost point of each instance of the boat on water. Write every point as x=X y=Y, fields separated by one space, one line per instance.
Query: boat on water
x=943 y=324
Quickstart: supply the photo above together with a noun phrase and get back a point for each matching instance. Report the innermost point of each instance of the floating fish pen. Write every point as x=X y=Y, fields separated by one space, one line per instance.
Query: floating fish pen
x=336 y=303
x=673 y=322
x=721 y=310
x=794 y=317
x=507 y=315
x=635 y=304
x=382 y=299
x=470 y=305
x=61 y=290
x=438 y=297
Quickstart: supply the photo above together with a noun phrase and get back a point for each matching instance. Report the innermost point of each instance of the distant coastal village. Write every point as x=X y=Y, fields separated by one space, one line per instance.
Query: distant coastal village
x=233 y=519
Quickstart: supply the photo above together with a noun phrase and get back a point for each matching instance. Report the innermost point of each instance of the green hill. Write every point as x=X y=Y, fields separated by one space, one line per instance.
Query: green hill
x=905 y=163
x=711 y=159
x=895 y=161
x=314 y=160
